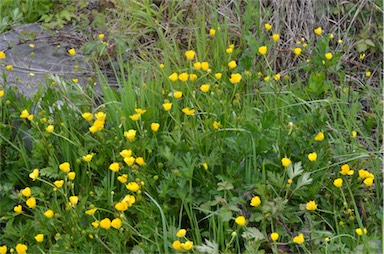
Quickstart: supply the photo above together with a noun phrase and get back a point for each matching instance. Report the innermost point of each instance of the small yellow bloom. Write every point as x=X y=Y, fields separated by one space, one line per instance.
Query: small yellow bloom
x=173 y=77
x=346 y=170
x=319 y=136
x=289 y=181
x=176 y=245
x=360 y=232
x=161 y=66
x=3 y=249
x=267 y=78
x=26 y=192
x=74 y=200
x=188 y=245
x=286 y=162
x=155 y=127
x=318 y=31
x=363 y=173
x=135 y=117
x=212 y=32
x=24 y=114
x=277 y=77
x=204 y=66
x=204 y=88
x=274 y=236
x=232 y=64
x=30 y=117
x=129 y=199
x=49 y=214
x=1 y=93
x=133 y=186
x=268 y=26
x=181 y=233
x=188 y=112
x=65 y=167
x=116 y=223
x=338 y=182
x=276 y=37
x=101 y=36
x=190 y=54
x=192 y=77
x=177 y=94
x=88 y=157
x=297 y=51
x=121 y=206
x=72 y=52
x=368 y=181
x=123 y=178
x=75 y=80
x=91 y=211
x=35 y=174
x=255 y=201
x=59 y=183
x=331 y=36
x=229 y=50
x=298 y=239
x=328 y=56
x=49 y=128
x=2 y=55
x=9 y=67
x=140 y=161
x=71 y=176
x=263 y=50
x=216 y=125
x=240 y=220
x=87 y=116
x=235 y=78
x=95 y=224
x=340 y=41
x=129 y=161
x=197 y=66
x=311 y=206
x=354 y=134
x=21 y=248
x=362 y=56
x=368 y=74
x=105 y=223
x=312 y=156
x=130 y=135
x=31 y=202
x=205 y=165
x=218 y=75
x=183 y=77
x=18 y=209
x=114 y=167
x=167 y=106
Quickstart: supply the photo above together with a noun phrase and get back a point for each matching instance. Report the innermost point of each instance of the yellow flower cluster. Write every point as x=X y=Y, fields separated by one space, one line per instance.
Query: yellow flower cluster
x=367 y=177
x=177 y=245
x=25 y=115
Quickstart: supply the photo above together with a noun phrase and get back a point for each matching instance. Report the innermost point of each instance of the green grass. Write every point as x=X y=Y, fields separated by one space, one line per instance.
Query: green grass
x=198 y=175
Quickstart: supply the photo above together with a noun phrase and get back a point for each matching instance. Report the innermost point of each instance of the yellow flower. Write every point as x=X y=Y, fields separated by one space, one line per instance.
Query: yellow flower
x=263 y=50
x=276 y=37
x=30 y=117
x=216 y=125
x=340 y=41
x=212 y=32
x=87 y=116
x=2 y=55
x=72 y=52
x=161 y=65
x=346 y=170
x=177 y=94
x=240 y=220
x=91 y=211
x=181 y=233
x=197 y=66
x=74 y=200
x=289 y=181
x=311 y=206
x=105 y=223
x=135 y=117
x=3 y=249
x=121 y=206
x=268 y=26
x=126 y=153
x=88 y=157
x=362 y=56
x=95 y=224
x=328 y=56
x=354 y=134
x=368 y=74
x=116 y=223
x=9 y=67
x=31 y=202
x=39 y=238
x=363 y=173
x=204 y=66
x=183 y=76
x=65 y=167
x=129 y=199
x=204 y=88
x=176 y=245
x=229 y=50
x=101 y=36
x=286 y=162
x=35 y=174
x=188 y=112
x=218 y=75
x=318 y=31
x=232 y=64
x=255 y=201
x=71 y=176
x=49 y=128
x=140 y=161
x=235 y=78
x=1 y=93
x=75 y=80
x=368 y=181
x=21 y=248
x=24 y=114
x=188 y=245
x=274 y=236
x=173 y=77
x=205 y=165
x=298 y=239
x=155 y=127
x=360 y=232
x=31 y=45
x=192 y=77
x=338 y=182
x=319 y=136
x=133 y=186
x=167 y=106
x=59 y=183
x=123 y=178
x=140 y=111
x=114 y=167
x=49 y=214
x=331 y=36
x=129 y=161
x=26 y=192
x=277 y=77
x=267 y=78
x=130 y=135
x=297 y=51
x=312 y=156
x=190 y=54
x=18 y=209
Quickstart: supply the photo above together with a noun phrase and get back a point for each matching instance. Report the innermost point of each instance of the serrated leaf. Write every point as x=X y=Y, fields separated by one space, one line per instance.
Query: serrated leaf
x=304 y=180
x=253 y=234
x=294 y=170
x=49 y=172
x=208 y=247
x=224 y=186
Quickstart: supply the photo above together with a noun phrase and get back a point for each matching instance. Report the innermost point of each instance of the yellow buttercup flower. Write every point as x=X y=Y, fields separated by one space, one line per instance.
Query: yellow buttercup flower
x=121 y=206
x=133 y=186
x=176 y=245
x=197 y=66
x=181 y=233
x=276 y=37
x=24 y=114
x=30 y=117
x=286 y=162
x=3 y=249
x=123 y=178
x=235 y=78
x=140 y=161
x=360 y=232
x=49 y=214
x=297 y=51
x=114 y=167
x=105 y=223
x=91 y=211
x=95 y=224
x=72 y=51
x=167 y=106
x=31 y=202
x=205 y=165
x=50 y=128
x=2 y=93
x=9 y=67
x=331 y=36
x=229 y=50
x=126 y=153
x=312 y=156
x=319 y=136
x=188 y=112
x=161 y=66
x=135 y=117
x=298 y=239
x=311 y=206
x=26 y=192
x=71 y=175
x=130 y=135
x=263 y=50
x=129 y=160
x=21 y=248
x=255 y=201
x=173 y=77
x=212 y=32
x=232 y=64
x=216 y=125
x=116 y=223
x=204 y=66
x=318 y=31
x=267 y=26
x=362 y=56
x=328 y=56
x=346 y=170
x=129 y=199
x=65 y=167
x=87 y=116
x=190 y=54
x=177 y=94
x=277 y=77
x=368 y=181
x=88 y=157
x=183 y=77
x=240 y=220
x=59 y=183
x=2 y=55
x=274 y=236
x=155 y=127
x=368 y=74
x=18 y=209
x=204 y=88
x=188 y=245
x=338 y=182
x=218 y=75
x=35 y=174
x=74 y=200
x=192 y=77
